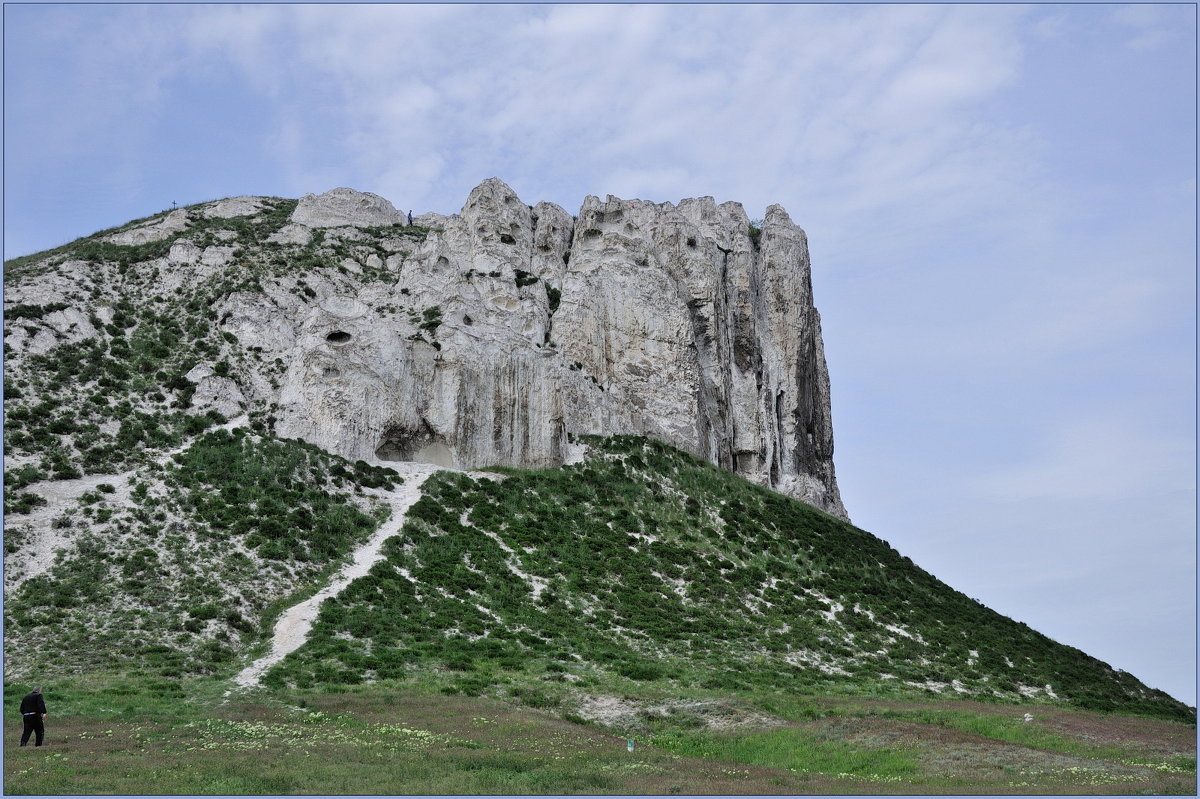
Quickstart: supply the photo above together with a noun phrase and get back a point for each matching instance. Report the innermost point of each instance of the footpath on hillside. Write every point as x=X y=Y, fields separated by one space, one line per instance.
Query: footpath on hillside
x=294 y=625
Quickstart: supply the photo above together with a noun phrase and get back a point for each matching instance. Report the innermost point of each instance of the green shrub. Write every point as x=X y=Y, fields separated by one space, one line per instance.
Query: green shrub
x=524 y=278
x=22 y=503
x=640 y=671
x=754 y=230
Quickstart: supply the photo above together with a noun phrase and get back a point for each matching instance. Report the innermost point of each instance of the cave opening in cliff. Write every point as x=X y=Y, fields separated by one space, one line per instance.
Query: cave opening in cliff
x=420 y=445
x=338 y=337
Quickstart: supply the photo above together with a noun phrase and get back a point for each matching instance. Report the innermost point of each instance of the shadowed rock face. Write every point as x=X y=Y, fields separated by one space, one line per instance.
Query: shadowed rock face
x=654 y=319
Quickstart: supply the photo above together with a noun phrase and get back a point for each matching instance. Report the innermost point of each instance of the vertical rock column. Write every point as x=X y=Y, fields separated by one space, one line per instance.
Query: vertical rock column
x=803 y=464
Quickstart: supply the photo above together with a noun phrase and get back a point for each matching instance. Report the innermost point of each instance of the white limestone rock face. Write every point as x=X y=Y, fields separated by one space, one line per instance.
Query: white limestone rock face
x=38 y=337
x=291 y=234
x=710 y=340
x=70 y=323
x=655 y=319
x=429 y=220
x=170 y=225
x=504 y=332
x=184 y=253
x=339 y=207
x=233 y=206
x=215 y=392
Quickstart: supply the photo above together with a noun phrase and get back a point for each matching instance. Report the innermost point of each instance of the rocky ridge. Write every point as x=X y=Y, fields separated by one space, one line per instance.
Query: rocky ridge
x=501 y=333
x=663 y=320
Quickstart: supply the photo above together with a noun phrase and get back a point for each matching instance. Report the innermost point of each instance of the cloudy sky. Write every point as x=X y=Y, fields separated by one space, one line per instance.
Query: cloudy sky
x=1000 y=203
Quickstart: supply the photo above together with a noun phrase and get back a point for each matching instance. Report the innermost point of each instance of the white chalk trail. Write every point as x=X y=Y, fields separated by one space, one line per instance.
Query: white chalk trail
x=294 y=625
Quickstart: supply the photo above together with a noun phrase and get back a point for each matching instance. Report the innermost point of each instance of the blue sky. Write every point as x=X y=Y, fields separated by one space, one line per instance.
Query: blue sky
x=1000 y=202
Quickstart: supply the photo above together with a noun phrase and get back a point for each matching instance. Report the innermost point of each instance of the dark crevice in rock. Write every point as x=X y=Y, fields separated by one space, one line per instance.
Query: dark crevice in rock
x=775 y=461
x=420 y=445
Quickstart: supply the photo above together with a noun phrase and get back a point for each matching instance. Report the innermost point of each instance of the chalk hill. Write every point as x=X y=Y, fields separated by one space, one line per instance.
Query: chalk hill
x=202 y=406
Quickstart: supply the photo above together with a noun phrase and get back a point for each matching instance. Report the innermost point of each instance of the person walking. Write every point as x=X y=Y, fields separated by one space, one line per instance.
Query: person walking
x=33 y=713
x=410 y=218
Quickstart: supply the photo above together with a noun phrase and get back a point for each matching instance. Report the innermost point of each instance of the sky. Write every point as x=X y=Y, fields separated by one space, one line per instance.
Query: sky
x=1000 y=202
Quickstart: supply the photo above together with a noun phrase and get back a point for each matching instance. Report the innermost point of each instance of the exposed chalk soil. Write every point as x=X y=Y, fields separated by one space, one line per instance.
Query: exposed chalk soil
x=41 y=540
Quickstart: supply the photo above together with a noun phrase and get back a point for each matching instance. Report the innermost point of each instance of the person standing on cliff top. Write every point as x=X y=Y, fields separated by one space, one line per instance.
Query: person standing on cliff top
x=33 y=713
x=410 y=217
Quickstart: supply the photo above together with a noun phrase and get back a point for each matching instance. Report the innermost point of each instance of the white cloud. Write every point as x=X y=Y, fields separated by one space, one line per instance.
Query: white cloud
x=1050 y=27
x=1150 y=40
x=653 y=184
x=876 y=99
x=1080 y=314
x=961 y=60
x=1137 y=15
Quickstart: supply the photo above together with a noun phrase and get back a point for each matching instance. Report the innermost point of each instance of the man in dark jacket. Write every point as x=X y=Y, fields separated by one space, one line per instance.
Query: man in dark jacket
x=33 y=712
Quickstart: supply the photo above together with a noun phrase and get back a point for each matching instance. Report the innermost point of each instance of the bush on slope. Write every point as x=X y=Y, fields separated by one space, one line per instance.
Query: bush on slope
x=648 y=564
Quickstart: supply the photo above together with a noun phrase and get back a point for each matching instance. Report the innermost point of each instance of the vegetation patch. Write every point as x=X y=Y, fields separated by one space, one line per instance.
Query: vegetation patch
x=644 y=564
x=794 y=749
x=178 y=580
x=138 y=736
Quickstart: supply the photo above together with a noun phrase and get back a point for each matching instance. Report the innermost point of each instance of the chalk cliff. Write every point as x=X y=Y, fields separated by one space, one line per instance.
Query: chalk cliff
x=493 y=336
x=656 y=319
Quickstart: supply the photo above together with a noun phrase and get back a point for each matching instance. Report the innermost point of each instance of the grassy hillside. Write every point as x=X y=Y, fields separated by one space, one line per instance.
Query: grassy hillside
x=165 y=573
x=643 y=564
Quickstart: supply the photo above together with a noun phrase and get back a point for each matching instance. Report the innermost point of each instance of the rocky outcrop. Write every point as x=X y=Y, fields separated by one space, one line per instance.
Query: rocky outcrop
x=172 y=223
x=344 y=207
x=493 y=339
x=672 y=321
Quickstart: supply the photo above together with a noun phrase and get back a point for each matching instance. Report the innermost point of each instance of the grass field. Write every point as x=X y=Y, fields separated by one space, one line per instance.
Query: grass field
x=117 y=736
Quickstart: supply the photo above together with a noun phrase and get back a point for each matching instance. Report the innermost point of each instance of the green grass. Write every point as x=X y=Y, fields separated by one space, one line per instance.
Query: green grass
x=111 y=735
x=792 y=749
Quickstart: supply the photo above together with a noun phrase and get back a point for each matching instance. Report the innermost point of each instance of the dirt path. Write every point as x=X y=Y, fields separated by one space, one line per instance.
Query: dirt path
x=292 y=628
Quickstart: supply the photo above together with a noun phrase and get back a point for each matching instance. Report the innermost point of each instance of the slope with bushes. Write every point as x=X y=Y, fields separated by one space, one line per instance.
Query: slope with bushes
x=644 y=564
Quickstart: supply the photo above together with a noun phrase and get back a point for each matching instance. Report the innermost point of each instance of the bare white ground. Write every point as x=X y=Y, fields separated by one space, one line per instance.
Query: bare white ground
x=293 y=626
x=613 y=711
x=576 y=452
x=37 y=554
